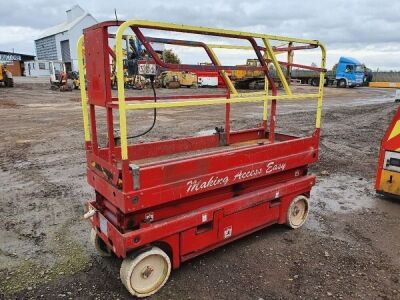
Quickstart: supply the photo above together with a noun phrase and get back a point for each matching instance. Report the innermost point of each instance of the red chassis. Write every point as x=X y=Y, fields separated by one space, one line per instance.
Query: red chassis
x=187 y=196
x=177 y=198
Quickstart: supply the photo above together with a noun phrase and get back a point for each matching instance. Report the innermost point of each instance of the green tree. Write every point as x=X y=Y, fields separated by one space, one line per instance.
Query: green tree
x=170 y=57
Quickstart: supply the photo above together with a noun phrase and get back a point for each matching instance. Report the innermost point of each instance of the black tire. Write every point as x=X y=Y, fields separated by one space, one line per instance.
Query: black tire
x=342 y=83
x=114 y=85
x=10 y=82
x=315 y=81
x=99 y=245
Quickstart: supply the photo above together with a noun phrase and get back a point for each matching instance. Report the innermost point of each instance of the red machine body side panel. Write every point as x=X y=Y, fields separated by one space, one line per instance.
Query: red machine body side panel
x=98 y=65
x=387 y=144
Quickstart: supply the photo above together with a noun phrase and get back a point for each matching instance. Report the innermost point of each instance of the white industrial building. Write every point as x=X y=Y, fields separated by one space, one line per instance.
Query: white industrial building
x=58 y=43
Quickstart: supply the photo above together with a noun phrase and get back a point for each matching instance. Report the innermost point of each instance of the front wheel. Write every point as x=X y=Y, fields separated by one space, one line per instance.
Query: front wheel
x=297 y=212
x=144 y=274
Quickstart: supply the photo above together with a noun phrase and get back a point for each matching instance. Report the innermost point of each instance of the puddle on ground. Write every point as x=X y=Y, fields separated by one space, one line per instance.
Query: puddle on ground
x=344 y=194
x=205 y=132
x=360 y=102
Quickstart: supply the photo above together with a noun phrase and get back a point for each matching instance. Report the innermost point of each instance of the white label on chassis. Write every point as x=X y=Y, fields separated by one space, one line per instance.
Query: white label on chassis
x=103 y=225
x=204 y=218
x=227 y=232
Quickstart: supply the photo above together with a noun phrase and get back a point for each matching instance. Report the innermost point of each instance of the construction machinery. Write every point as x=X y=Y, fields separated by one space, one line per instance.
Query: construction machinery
x=388 y=174
x=132 y=52
x=59 y=77
x=173 y=79
x=249 y=79
x=74 y=76
x=160 y=203
x=6 y=76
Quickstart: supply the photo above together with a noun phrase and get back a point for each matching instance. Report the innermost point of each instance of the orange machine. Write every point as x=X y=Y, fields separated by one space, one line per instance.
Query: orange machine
x=388 y=176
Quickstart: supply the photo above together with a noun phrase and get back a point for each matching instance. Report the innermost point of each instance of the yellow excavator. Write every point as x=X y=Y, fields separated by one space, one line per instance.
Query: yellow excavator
x=176 y=79
x=5 y=76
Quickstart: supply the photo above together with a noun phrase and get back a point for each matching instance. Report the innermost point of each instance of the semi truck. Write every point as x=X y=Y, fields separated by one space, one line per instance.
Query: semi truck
x=348 y=72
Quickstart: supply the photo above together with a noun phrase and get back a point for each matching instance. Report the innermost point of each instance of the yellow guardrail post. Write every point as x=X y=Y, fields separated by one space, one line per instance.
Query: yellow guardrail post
x=121 y=89
x=265 y=106
x=82 y=84
x=321 y=87
x=266 y=90
x=223 y=73
x=277 y=66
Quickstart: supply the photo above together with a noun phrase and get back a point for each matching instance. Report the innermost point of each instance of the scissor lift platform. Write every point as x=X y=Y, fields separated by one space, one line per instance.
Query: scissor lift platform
x=161 y=203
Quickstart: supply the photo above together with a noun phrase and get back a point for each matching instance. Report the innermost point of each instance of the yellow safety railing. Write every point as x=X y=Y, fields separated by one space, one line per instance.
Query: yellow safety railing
x=229 y=82
x=235 y=97
x=82 y=84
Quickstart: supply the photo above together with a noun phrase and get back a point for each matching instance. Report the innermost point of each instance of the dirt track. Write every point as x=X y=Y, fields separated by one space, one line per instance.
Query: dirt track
x=348 y=249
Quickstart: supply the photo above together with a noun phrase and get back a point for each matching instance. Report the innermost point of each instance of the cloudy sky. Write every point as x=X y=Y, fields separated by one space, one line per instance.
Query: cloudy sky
x=367 y=30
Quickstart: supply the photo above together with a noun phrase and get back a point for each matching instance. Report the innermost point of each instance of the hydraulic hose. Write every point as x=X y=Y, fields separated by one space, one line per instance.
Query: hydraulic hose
x=154 y=115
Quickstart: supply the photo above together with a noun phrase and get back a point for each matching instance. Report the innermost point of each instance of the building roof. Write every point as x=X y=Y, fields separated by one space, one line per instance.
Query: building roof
x=65 y=26
x=74 y=15
x=13 y=55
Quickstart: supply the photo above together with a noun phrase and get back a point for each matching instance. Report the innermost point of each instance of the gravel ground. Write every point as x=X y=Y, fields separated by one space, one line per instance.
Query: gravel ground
x=348 y=249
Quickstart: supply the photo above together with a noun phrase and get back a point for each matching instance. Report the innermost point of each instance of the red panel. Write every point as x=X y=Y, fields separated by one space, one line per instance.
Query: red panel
x=386 y=144
x=97 y=66
x=201 y=236
x=246 y=219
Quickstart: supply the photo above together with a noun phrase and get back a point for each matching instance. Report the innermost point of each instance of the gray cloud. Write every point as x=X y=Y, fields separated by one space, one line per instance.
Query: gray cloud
x=342 y=25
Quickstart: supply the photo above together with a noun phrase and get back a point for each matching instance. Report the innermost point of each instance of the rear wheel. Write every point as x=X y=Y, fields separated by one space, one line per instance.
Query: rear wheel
x=99 y=245
x=9 y=82
x=297 y=212
x=145 y=273
x=342 y=83
x=315 y=82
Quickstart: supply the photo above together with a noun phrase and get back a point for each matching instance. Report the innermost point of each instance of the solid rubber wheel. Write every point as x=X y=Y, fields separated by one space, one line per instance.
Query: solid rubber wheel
x=99 y=245
x=297 y=212
x=144 y=274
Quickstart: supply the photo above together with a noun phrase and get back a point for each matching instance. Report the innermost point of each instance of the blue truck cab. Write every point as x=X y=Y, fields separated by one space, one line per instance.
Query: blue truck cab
x=349 y=72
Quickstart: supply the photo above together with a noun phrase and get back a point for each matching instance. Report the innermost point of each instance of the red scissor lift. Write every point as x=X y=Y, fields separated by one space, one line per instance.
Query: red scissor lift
x=161 y=203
